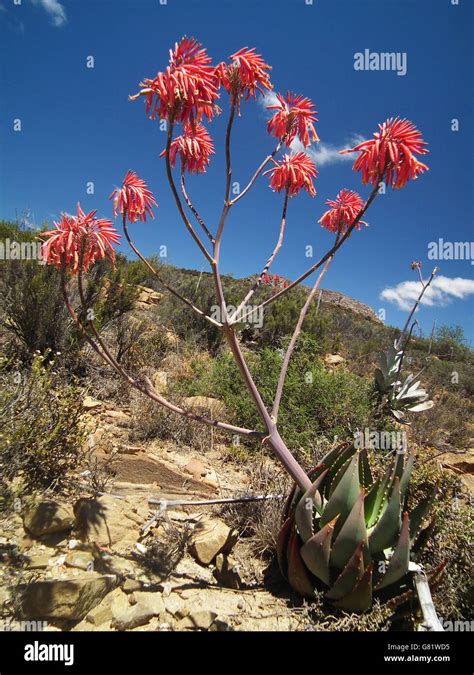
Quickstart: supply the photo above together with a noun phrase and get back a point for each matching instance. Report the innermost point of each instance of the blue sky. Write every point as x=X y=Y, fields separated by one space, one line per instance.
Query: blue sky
x=77 y=126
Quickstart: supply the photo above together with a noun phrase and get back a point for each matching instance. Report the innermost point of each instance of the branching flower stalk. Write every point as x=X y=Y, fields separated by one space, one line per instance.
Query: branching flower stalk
x=184 y=94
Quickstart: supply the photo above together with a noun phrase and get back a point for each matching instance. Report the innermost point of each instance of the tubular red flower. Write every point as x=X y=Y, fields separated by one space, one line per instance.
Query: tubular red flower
x=246 y=75
x=194 y=148
x=78 y=241
x=391 y=150
x=134 y=198
x=293 y=173
x=186 y=90
x=343 y=211
x=294 y=117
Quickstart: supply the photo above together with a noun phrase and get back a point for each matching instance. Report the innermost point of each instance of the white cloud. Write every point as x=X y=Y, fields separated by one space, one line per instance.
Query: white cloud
x=56 y=11
x=321 y=153
x=441 y=292
x=324 y=154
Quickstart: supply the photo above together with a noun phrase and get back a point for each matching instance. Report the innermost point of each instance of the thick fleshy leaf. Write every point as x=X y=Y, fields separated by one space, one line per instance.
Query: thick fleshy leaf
x=282 y=546
x=388 y=526
x=297 y=574
x=295 y=494
x=419 y=513
x=349 y=577
x=405 y=478
x=337 y=469
x=427 y=405
x=316 y=551
x=381 y=381
x=399 y=415
x=365 y=473
x=304 y=512
x=376 y=497
x=360 y=599
x=351 y=534
x=331 y=456
x=345 y=495
x=398 y=565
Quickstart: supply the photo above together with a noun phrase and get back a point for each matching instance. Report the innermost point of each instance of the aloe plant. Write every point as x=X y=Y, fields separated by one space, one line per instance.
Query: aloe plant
x=184 y=94
x=349 y=535
x=402 y=396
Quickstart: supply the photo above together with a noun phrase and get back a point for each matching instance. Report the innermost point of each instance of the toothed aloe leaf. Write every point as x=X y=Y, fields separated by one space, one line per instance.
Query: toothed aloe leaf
x=351 y=534
x=304 y=512
x=419 y=513
x=295 y=494
x=384 y=533
x=297 y=573
x=337 y=469
x=282 y=545
x=398 y=565
x=376 y=496
x=316 y=551
x=331 y=456
x=364 y=469
x=406 y=475
x=398 y=467
x=349 y=577
x=345 y=495
x=360 y=599
x=335 y=477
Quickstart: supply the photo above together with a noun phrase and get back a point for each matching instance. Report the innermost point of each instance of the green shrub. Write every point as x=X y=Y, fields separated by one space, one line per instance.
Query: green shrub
x=315 y=402
x=41 y=430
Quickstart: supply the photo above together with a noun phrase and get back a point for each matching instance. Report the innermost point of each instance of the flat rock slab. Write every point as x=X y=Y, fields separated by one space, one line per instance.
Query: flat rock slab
x=48 y=517
x=67 y=599
x=148 y=470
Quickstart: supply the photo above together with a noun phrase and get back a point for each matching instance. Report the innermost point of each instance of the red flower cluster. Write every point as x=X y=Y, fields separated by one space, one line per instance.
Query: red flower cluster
x=78 y=241
x=133 y=198
x=344 y=209
x=188 y=87
x=246 y=75
x=391 y=152
x=294 y=117
x=275 y=281
x=194 y=147
x=293 y=173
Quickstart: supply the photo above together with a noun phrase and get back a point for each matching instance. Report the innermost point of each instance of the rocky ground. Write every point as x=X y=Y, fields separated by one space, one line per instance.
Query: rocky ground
x=104 y=563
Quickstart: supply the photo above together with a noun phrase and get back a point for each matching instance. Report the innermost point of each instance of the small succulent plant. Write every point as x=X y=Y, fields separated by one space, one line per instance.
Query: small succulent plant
x=349 y=534
x=402 y=396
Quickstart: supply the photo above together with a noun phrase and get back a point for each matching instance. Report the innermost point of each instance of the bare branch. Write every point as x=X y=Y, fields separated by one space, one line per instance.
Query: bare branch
x=413 y=310
x=192 y=209
x=174 y=292
x=147 y=388
x=294 y=338
x=169 y=175
x=235 y=315
x=267 y=159
x=322 y=260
